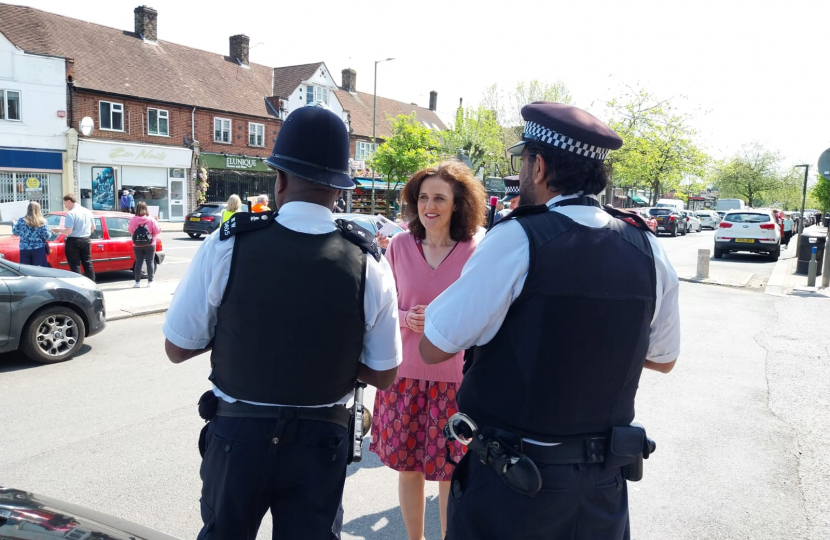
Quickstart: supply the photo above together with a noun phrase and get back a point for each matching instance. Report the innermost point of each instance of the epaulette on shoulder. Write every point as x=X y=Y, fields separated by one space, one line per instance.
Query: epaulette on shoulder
x=242 y=222
x=360 y=237
x=632 y=218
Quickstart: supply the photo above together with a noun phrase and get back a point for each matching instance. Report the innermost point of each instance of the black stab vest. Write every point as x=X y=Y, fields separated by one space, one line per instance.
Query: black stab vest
x=291 y=324
x=568 y=357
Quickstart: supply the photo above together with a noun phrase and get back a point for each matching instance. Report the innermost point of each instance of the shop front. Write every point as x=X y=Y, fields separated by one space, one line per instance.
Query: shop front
x=31 y=175
x=158 y=174
x=366 y=188
x=240 y=175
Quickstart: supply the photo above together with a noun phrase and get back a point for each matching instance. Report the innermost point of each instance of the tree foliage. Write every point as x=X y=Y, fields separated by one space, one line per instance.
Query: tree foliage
x=411 y=148
x=752 y=175
x=821 y=193
x=476 y=133
x=658 y=145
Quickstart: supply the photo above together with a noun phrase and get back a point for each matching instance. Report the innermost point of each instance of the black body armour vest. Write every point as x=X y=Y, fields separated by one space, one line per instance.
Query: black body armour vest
x=568 y=357
x=291 y=324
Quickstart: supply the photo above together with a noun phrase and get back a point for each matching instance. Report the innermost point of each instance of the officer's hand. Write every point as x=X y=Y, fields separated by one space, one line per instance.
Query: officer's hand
x=415 y=318
x=383 y=241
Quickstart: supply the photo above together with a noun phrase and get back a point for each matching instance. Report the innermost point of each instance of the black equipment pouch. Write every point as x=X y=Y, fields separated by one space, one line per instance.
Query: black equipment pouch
x=502 y=451
x=629 y=446
x=207 y=406
x=356 y=425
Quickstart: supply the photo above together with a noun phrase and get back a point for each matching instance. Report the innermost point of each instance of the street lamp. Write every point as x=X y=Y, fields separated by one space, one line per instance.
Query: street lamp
x=803 y=201
x=374 y=122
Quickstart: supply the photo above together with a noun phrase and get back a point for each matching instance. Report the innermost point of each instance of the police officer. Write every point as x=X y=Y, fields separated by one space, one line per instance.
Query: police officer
x=590 y=301
x=511 y=197
x=283 y=369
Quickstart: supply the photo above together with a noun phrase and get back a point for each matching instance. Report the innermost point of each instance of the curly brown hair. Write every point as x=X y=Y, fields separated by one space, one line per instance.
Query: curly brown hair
x=468 y=192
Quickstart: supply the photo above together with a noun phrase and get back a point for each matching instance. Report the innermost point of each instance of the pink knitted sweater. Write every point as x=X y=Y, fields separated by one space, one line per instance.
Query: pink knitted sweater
x=417 y=283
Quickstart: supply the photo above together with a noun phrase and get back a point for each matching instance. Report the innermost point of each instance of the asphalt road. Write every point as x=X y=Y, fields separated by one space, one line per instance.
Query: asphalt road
x=741 y=426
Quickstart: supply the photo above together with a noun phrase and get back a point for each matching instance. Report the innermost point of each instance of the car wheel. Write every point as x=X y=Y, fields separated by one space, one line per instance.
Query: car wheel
x=718 y=253
x=700 y=228
x=53 y=335
x=194 y=235
x=674 y=231
x=685 y=230
x=773 y=255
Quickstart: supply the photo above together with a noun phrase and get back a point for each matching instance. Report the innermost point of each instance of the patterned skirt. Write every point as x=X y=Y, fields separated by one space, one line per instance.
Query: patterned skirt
x=408 y=427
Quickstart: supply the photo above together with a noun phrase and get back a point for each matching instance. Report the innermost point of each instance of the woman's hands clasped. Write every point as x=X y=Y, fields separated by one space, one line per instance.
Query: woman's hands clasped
x=415 y=318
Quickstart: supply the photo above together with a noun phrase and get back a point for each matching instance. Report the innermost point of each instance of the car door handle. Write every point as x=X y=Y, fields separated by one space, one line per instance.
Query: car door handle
x=100 y=246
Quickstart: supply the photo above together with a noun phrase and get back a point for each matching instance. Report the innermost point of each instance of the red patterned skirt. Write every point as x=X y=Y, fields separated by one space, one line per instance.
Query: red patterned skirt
x=408 y=427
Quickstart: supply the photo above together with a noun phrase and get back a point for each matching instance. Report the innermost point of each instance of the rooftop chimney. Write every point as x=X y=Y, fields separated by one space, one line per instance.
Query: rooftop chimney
x=349 y=80
x=146 y=19
x=239 y=48
x=433 y=100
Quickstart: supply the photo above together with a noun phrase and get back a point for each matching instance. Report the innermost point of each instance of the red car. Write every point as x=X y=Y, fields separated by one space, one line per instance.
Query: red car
x=111 y=249
x=650 y=221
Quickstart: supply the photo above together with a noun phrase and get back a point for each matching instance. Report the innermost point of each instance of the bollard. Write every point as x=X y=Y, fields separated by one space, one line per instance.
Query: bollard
x=812 y=269
x=703 y=263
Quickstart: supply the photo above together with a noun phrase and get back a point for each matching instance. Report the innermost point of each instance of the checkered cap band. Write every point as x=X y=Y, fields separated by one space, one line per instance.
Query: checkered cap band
x=511 y=190
x=538 y=133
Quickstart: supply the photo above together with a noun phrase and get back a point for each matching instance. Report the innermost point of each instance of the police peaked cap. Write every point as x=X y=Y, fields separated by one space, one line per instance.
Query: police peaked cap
x=566 y=128
x=313 y=144
x=511 y=188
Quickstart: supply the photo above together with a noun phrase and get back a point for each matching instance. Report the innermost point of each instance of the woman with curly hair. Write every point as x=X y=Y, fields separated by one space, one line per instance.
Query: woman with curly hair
x=445 y=208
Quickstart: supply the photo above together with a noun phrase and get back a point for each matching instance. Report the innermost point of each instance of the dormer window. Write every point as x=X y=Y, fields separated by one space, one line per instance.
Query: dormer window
x=316 y=93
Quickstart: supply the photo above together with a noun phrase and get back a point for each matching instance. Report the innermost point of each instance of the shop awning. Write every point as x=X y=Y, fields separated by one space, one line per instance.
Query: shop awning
x=30 y=160
x=380 y=184
x=638 y=200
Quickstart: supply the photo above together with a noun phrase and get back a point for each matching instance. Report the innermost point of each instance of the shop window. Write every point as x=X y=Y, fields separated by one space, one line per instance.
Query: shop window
x=158 y=122
x=364 y=150
x=256 y=134
x=222 y=130
x=9 y=105
x=111 y=116
x=316 y=93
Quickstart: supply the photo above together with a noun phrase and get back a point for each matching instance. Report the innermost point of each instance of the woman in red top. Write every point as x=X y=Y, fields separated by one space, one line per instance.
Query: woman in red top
x=445 y=207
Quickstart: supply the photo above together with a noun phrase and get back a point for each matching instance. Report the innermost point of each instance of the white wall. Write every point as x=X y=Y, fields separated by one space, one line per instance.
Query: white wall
x=42 y=83
x=321 y=78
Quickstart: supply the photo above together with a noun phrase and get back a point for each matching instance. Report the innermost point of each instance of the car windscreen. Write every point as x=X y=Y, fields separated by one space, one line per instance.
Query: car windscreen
x=747 y=217
x=209 y=209
x=660 y=211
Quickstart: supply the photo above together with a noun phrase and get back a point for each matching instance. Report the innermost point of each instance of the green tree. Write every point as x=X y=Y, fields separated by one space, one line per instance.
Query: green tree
x=411 y=148
x=477 y=134
x=658 y=145
x=752 y=175
x=821 y=193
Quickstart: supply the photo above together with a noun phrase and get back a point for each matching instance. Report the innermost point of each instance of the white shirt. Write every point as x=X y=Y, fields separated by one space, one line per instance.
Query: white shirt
x=191 y=318
x=471 y=311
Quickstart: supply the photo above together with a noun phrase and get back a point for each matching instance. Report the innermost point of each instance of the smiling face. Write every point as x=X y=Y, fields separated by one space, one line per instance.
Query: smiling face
x=436 y=203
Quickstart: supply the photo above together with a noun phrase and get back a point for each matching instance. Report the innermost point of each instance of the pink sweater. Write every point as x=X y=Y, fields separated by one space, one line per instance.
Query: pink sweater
x=149 y=222
x=417 y=283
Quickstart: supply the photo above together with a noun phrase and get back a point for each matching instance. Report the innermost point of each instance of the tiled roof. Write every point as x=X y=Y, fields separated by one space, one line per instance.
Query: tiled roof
x=359 y=105
x=119 y=62
x=287 y=79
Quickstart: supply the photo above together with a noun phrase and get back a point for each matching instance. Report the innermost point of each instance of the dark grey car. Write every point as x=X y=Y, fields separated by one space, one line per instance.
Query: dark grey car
x=47 y=313
x=204 y=220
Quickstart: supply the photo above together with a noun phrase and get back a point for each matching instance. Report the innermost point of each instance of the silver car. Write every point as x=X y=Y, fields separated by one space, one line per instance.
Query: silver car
x=692 y=222
x=708 y=218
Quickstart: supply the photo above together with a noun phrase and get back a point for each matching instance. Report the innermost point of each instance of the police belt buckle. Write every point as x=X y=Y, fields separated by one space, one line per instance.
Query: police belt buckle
x=500 y=450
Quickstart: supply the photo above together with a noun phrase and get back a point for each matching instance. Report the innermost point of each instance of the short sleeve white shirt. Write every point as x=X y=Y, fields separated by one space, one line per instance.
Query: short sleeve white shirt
x=471 y=311
x=191 y=318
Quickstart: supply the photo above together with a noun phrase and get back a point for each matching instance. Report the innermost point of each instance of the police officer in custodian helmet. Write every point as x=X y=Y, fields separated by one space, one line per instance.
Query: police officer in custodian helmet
x=566 y=304
x=283 y=369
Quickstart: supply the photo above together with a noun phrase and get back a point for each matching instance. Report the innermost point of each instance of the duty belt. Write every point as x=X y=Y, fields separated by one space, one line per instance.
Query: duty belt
x=336 y=414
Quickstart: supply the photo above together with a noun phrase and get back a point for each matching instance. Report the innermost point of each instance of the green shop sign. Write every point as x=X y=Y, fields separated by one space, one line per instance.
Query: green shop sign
x=238 y=163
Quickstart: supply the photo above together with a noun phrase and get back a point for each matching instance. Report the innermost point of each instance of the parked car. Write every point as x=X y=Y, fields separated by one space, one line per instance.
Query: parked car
x=47 y=313
x=755 y=231
x=650 y=221
x=111 y=249
x=709 y=218
x=669 y=221
x=692 y=221
x=204 y=220
x=24 y=515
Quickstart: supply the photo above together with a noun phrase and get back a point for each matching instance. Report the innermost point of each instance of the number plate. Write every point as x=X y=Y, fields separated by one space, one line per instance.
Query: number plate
x=745 y=240
x=195 y=219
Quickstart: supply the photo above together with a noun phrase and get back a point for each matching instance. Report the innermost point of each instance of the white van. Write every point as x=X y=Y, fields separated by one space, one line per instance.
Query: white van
x=724 y=205
x=671 y=203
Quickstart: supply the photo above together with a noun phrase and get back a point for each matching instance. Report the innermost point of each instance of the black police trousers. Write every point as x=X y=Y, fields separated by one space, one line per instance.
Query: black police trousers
x=294 y=468
x=576 y=502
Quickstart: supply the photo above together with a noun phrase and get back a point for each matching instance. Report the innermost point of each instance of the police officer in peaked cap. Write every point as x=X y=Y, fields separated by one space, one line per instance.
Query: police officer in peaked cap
x=283 y=370
x=565 y=304
x=511 y=199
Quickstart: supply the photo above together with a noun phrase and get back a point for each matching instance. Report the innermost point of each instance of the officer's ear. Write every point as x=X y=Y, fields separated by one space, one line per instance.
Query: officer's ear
x=539 y=170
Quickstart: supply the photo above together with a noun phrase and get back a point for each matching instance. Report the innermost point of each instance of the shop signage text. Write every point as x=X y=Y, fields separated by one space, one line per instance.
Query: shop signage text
x=104 y=153
x=240 y=163
x=123 y=153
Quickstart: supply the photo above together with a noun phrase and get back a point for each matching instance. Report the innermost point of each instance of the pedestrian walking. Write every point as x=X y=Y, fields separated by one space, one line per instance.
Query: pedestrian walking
x=446 y=206
x=278 y=434
x=788 y=227
x=565 y=304
x=512 y=198
x=144 y=230
x=132 y=201
x=234 y=204
x=34 y=236
x=78 y=226
x=126 y=201
x=261 y=205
